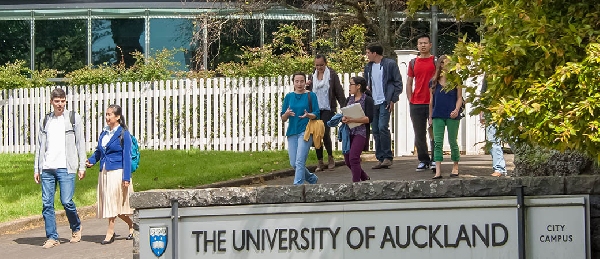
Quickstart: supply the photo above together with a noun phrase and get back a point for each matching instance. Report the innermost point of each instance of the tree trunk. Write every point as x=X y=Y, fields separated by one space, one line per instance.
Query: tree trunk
x=384 y=29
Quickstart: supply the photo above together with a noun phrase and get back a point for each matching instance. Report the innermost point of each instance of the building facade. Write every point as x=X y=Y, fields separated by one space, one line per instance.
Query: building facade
x=70 y=34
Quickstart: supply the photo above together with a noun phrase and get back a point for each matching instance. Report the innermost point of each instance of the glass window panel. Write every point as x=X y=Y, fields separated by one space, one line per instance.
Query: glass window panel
x=60 y=44
x=114 y=40
x=173 y=34
x=15 y=41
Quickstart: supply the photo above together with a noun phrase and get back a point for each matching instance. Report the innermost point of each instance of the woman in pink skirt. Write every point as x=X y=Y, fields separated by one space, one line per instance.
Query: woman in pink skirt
x=114 y=181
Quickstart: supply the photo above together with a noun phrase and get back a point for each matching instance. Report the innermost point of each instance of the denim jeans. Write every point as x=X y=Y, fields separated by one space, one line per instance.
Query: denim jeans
x=498 y=162
x=298 y=152
x=419 y=114
x=381 y=132
x=50 y=179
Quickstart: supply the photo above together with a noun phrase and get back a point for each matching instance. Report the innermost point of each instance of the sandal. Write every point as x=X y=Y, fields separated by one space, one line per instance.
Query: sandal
x=436 y=177
x=454 y=173
x=497 y=174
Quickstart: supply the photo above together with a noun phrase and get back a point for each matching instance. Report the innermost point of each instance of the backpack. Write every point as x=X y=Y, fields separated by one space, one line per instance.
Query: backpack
x=71 y=117
x=135 y=151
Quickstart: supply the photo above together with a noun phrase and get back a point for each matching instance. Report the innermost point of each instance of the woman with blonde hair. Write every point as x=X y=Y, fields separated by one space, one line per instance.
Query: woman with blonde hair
x=444 y=114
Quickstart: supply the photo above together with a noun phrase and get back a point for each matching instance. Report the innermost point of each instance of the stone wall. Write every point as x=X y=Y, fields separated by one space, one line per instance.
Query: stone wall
x=379 y=190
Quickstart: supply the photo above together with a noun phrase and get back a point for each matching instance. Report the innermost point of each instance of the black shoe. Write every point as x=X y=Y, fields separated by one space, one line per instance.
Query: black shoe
x=437 y=177
x=129 y=237
x=112 y=239
x=454 y=173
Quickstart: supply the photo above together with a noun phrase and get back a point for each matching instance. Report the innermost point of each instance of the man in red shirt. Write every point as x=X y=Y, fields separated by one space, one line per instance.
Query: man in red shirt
x=420 y=71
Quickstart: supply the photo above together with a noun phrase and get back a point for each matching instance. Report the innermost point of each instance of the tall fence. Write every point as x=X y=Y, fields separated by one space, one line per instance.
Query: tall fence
x=237 y=114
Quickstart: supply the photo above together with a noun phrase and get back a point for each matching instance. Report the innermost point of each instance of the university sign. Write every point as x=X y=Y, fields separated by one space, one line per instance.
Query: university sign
x=555 y=227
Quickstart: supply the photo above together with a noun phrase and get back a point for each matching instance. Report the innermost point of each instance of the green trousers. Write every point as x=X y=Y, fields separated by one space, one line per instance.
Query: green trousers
x=438 y=138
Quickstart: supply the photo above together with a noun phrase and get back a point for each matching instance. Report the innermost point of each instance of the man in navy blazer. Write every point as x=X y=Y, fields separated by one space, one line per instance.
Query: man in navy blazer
x=385 y=83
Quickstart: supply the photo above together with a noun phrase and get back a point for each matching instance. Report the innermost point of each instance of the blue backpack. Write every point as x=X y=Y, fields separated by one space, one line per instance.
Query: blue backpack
x=135 y=152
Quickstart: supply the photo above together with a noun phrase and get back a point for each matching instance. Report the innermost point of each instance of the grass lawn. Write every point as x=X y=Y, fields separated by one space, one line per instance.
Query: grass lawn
x=165 y=169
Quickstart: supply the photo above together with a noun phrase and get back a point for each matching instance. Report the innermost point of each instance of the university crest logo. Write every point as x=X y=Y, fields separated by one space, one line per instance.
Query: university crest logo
x=158 y=240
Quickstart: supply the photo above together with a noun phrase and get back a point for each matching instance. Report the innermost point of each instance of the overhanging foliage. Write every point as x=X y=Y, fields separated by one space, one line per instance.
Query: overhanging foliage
x=541 y=62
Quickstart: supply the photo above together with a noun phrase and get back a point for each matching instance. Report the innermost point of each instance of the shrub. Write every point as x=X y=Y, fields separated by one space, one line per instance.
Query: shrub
x=17 y=75
x=89 y=75
x=154 y=68
x=160 y=66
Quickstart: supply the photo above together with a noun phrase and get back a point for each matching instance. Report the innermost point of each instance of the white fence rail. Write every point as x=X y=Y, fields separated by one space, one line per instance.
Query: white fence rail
x=237 y=114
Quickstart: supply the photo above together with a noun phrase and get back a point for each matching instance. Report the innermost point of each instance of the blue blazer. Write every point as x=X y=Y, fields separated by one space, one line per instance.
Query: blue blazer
x=114 y=156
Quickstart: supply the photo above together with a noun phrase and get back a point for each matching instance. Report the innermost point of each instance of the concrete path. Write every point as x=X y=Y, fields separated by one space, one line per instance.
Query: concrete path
x=26 y=244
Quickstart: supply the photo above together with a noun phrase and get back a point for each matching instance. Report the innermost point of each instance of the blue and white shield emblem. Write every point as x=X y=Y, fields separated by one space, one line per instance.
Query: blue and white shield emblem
x=158 y=240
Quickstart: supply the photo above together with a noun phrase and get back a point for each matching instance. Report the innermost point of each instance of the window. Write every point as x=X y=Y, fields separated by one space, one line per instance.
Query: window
x=114 y=40
x=173 y=34
x=60 y=44
x=14 y=41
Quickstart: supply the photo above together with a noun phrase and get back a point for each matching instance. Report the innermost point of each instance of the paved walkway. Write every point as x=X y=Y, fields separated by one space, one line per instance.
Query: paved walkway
x=27 y=243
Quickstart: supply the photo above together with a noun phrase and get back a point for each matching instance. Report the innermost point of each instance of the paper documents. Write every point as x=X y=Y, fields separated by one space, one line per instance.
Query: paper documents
x=353 y=111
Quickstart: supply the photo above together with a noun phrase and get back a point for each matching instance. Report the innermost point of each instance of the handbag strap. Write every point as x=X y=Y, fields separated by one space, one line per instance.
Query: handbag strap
x=309 y=103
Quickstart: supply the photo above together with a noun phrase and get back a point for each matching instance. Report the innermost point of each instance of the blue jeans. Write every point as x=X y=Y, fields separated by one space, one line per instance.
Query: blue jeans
x=498 y=162
x=381 y=132
x=66 y=182
x=298 y=152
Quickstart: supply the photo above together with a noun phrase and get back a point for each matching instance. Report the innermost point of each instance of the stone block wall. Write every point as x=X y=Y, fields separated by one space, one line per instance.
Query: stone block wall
x=379 y=190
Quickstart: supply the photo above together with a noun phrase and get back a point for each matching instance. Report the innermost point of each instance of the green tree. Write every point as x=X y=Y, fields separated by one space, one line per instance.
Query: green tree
x=286 y=55
x=541 y=62
x=347 y=55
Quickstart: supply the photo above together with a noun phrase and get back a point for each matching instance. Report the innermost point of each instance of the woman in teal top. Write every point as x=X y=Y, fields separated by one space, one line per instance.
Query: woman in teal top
x=295 y=111
x=444 y=113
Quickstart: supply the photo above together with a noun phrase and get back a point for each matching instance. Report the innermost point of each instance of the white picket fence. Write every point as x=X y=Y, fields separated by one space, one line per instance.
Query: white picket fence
x=237 y=114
